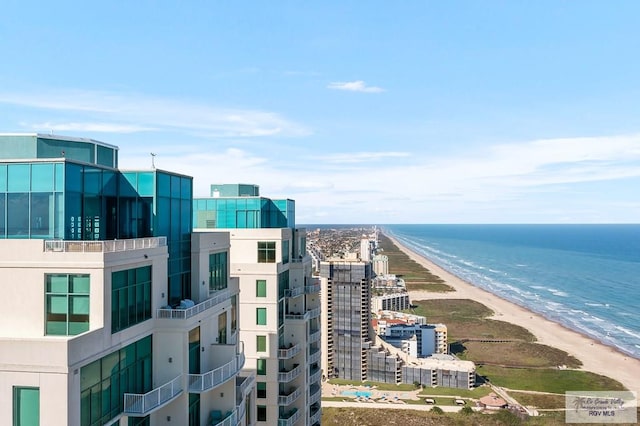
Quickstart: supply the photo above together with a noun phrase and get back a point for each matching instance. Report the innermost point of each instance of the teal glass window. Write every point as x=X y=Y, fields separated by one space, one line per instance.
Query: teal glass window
x=104 y=382
x=261 y=316
x=18 y=215
x=218 y=271
x=67 y=304
x=26 y=406
x=285 y=251
x=261 y=343
x=130 y=297
x=42 y=177
x=59 y=177
x=19 y=177
x=283 y=283
x=266 y=251
x=261 y=366
x=261 y=389
x=105 y=156
x=261 y=288
x=3 y=178
x=146 y=184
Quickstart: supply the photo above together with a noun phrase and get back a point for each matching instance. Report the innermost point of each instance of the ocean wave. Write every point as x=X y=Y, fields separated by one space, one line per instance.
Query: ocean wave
x=627 y=331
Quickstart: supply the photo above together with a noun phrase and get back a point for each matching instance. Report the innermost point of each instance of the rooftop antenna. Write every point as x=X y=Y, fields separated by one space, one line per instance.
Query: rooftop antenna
x=153 y=157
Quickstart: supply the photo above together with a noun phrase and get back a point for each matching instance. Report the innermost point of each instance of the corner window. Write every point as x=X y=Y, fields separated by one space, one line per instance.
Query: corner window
x=217 y=271
x=266 y=251
x=261 y=288
x=67 y=304
x=261 y=316
x=130 y=297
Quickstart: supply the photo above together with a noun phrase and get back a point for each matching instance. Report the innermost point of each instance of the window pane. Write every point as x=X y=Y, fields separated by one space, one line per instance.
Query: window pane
x=79 y=284
x=57 y=284
x=261 y=316
x=19 y=178
x=42 y=177
x=261 y=343
x=262 y=367
x=261 y=288
x=26 y=403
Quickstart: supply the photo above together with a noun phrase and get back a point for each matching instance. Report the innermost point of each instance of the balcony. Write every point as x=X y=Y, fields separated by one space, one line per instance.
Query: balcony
x=293 y=292
x=218 y=297
x=297 y=316
x=289 y=353
x=289 y=418
x=314 y=313
x=139 y=405
x=315 y=394
x=230 y=418
x=287 y=399
x=315 y=375
x=314 y=356
x=243 y=384
x=314 y=288
x=103 y=246
x=287 y=376
x=200 y=383
x=316 y=415
x=314 y=336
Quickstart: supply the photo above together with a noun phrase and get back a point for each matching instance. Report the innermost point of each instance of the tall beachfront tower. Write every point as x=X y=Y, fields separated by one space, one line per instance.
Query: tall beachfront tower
x=117 y=313
x=279 y=302
x=347 y=332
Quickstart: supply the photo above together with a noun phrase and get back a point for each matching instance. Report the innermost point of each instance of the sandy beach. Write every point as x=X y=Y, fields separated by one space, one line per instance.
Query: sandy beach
x=595 y=356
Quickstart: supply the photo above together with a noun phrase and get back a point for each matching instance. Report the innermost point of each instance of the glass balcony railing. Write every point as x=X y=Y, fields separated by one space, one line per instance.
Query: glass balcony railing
x=289 y=352
x=293 y=292
x=289 y=418
x=139 y=405
x=314 y=336
x=287 y=376
x=287 y=399
x=314 y=356
x=315 y=288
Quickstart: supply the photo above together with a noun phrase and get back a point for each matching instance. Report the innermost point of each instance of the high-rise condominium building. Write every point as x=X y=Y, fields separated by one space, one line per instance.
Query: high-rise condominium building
x=279 y=303
x=347 y=332
x=115 y=313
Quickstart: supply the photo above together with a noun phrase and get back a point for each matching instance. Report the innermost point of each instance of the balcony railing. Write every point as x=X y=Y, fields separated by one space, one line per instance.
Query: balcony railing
x=103 y=246
x=315 y=375
x=287 y=376
x=314 y=356
x=314 y=288
x=139 y=405
x=315 y=416
x=289 y=418
x=229 y=419
x=244 y=383
x=297 y=316
x=315 y=312
x=293 y=292
x=218 y=297
x=289 y=353
x=315 y=394
x=290 y=397
x=314 y=336
x=199 y=383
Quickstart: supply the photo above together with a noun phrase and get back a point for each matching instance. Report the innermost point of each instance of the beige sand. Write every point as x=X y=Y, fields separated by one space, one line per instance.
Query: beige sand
x=595 y=357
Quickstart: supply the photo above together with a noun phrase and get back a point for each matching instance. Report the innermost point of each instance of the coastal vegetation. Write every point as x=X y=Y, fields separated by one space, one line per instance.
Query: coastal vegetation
x=416 y=276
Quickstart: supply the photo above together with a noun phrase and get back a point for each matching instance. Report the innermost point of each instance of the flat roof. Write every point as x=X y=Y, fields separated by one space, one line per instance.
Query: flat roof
x=63 y=138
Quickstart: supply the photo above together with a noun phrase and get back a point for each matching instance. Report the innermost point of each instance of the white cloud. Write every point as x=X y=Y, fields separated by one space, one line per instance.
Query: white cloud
x=133 y=111
x=360 y=157
x=354 y=86
x=87 y=127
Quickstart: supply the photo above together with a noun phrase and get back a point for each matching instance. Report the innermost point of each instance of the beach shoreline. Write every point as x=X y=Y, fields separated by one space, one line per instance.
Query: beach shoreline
x=595 y=356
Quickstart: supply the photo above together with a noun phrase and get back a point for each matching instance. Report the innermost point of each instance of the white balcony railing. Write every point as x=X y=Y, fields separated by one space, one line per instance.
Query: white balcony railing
x=315 y=394
x=199 y=383
x=289 y=353
x=139 y=405
x=293 y=292
x=315 y=312
x=287 y=376
x=314 y=356
x=230 y=419
x=244 y=383
x=218 y=297
x=290 y=418
x=315 y=375
x=314 y=288
x=314 y=336
x=103 y=246
x=315 y=416
x=297 y=316
x=290 y=397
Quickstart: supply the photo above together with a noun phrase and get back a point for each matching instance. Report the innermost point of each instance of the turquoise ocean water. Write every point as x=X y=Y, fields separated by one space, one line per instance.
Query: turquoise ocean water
x=586 y=277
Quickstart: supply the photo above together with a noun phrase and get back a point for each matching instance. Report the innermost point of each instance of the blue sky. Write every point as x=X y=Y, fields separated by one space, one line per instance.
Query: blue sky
x=363 y=112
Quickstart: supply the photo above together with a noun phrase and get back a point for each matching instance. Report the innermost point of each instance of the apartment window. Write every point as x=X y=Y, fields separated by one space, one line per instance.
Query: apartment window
x=26 y=406
x=104 y=382
x=261 y=388
x=285 y=251
x=261 y=288
x=262 y=413
x=67 y=304
x=261 y=366
x=261 y=316
x=130 y=297
x=217 y=271
x=261 y=343
x=266 y=251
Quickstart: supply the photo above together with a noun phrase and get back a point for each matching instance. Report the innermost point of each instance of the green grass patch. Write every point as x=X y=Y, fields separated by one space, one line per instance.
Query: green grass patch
x=476 y=393
x=452 y=309
x=548 y=380
x=517 y=354
x=539 y=400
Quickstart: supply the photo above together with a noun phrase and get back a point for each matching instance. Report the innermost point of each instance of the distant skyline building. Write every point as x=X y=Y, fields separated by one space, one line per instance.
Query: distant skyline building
x=347 y=332
x=279 y=302
x=118 y=313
